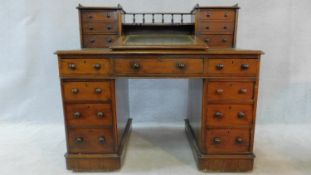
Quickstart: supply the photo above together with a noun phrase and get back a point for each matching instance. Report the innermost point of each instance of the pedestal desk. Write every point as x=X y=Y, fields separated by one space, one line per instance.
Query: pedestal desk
x=223 y=84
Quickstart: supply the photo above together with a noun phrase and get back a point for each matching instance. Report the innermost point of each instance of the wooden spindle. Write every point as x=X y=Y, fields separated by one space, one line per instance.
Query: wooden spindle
x=162 y=18
x=172 y=18
x=134 y=18
x=182 y=18
x=152 y=18
x=143 y=18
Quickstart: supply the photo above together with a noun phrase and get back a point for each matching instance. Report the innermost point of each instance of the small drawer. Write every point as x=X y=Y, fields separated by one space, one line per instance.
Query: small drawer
x=99 y=15
x=99 y=27
x=228 y=141
x=217 y=14
x=242 y=67
x=230 y=91
x=98 y=41
x=85 y=115
x=90 y=141
x=158 y=66
x=87 y=91
x=84 y=66
x=216 y=27
x=217 y=41
x=229 y=115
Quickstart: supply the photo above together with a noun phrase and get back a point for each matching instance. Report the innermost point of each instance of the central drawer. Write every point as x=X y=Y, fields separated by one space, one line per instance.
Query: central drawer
x=159 y=66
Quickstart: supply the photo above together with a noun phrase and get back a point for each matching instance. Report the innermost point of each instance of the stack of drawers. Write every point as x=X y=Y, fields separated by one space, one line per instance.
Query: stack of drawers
x=230 y=105
x=99 y=27
x=88 y=107
x=216 y=26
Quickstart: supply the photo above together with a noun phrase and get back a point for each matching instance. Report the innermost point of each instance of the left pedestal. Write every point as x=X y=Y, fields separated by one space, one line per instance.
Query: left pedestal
x=96 y=137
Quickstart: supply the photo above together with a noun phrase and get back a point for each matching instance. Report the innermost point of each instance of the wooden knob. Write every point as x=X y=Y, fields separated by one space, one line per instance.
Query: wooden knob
x=92 y=41
x=218 y=115
x=109 y=40
x=220 y=66
x=79 y=140
x=101 y=140
x=241 y=115
x=219 y=91
x=225 y=27
x=100 y=114
x=98 y=90
x=180 y=65
x=208 y=15
x=244 y=66
x=206 y=40
x=136 y=66
x=75 y=90
x=109 y=27
x=239 y=140
x=91 y=28
x=217 y=140
x=224 y=40
x=76 y=115
x=72 y=66
x=97 y=66
x=243 y=91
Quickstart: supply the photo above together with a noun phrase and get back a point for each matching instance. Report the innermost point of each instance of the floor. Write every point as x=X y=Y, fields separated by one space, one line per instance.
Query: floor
x=32 y=149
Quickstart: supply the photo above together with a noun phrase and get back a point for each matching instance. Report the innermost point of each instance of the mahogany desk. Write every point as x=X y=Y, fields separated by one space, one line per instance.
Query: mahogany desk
x=223 y=86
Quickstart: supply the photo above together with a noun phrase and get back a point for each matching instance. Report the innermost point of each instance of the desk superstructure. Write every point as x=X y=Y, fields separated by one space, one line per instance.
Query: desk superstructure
x=223 y=84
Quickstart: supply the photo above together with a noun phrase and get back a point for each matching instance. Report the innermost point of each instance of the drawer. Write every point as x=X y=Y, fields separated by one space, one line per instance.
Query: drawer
x=217 y=14
x=87 y=91
x=230 y=91
x=84 y=115
x=84 y=66
x=98 y=41
x=158 y=66
x=90 y=141
x=224 y=115
x=243 y=67
x=100 y=27
x=219 y=41
x=215 y=27
x=228 y=141
x=101 y=15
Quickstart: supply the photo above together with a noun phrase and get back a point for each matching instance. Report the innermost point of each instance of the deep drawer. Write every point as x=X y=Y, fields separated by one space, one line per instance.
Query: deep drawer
x=90 y=141
x=228 y=141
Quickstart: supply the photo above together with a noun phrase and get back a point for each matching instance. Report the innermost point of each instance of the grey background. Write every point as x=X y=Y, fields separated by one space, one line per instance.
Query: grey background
x=32 y=30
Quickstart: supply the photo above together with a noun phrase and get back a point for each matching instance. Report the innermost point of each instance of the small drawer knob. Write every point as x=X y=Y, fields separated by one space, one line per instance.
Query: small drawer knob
x=244 y=66
x=109 y=40
x=225 y=27
x=101 y=140
x=79 y=140
x=218 y=115
x=226 y=14
x=220 y=66
x=181 y=65
x=224 y=40
x=98 y=90
x=76 y=115
x=207 y=27
x=136 y=66
x=217 y=140
x=241 y=115
x=243 y=91
x=239 y=140
x=109 y=27
x=92 y=41
x=100 y=114
x=75 y=90
x=208 y=15
x=90 y=16
x=108 y=15
x=72 y=66
x=219 y=91
x=91 y=28
x=206 y=40
x=97 y=66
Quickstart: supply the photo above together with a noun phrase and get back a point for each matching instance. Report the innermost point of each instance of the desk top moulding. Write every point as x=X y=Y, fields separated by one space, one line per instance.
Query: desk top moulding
x=198 y=45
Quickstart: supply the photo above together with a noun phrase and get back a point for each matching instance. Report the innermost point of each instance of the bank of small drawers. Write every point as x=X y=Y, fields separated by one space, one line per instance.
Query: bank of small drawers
x=216 y=27
x=88 y=116
x=230 y=105
x=99 y=28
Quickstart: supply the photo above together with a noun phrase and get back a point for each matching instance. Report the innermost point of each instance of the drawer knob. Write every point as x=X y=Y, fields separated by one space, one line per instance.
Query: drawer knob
x=220 y=66
x=98 y=90
x=239 y=140
x=97 y=66
x=101 y=140
x=218 y=115
x=244 y=66
x=76 y=115
x=225 y=27
x=91 y=28
x=92 y=41
x=208 y=15
x=207 y=27
x=72 y=66
x=219 y=91
x=109 y=40
x=109 y=27
x=226 y=14
x=79 y=140
x=100 y=114
x=75 y=90
x=181 y=66
x=217 y=140
x=136 y=66
x=243 y=91
x=108 y=15
x=206 y=40
x=90 y=16
x=241 y=115
x=224 y=40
